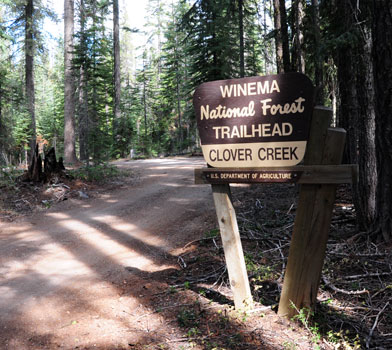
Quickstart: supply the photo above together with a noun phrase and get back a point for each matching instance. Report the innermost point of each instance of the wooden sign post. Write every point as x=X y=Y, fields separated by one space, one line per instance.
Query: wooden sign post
x=262 y=139
x=312 y=221
x=232 y=247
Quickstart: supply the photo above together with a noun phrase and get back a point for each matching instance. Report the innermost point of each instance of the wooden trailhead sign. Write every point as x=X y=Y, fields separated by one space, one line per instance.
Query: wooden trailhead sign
x=258 y=121
x=257 y=130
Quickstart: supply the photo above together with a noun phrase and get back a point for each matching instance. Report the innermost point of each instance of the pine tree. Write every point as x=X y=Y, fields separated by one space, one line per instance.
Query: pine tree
x=22 y=31
x=94 y=61
x=174 y=76
x=50 y=101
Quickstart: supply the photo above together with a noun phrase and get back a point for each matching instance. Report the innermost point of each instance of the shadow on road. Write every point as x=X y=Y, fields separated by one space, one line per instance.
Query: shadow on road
x=97 y=277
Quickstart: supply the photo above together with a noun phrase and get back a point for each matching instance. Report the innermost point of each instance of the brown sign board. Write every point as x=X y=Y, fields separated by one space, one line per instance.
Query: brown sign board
x=261 y=121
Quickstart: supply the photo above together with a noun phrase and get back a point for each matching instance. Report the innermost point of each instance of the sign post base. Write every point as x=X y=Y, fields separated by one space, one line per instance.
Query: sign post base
x=310 y=234
x=231 y=241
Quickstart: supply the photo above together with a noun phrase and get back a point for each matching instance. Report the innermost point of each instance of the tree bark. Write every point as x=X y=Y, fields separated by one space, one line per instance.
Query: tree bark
x=356 y=108
x=298 y=60
x=241 y=33
x=145 y=97
x=117 y=71
x=29 y=71
x=382 y=57
x=83 y=112
x=34 y=172
x=83 y=115
x=1 y=119
x=318 y=64
x=285 y=36
x=282 y=37
x=51 y=166
x=365 y=204
x=69 y=84
x=278 y=38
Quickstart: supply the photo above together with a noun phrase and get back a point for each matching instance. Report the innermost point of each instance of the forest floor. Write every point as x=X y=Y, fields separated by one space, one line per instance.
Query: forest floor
x=137 y=263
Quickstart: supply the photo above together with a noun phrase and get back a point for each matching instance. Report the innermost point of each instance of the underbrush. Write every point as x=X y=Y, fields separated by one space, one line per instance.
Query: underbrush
x=354 y=309
x=8 y=176
x=98 y=173
x=19 y=197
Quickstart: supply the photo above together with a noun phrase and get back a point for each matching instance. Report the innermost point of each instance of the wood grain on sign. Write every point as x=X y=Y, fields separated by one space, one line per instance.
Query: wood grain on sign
x=259 y=121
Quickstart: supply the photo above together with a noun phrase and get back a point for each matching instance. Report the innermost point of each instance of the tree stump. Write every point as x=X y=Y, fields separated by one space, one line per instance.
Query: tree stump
x=51 y=166
x=34 y=172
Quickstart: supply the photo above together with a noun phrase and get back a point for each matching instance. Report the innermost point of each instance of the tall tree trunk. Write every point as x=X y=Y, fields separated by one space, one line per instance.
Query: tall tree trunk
x=179 y=114
x=349 y=110
x=382 y=57
x=241 y=33
x=1 y=117
x=357 y=115
x=318 y=63
x=285 y=36
x=29 y=70
x=278 y=37
x=94 y=98
x=159 y=41
x=83 y=112
x=117 y=71
x=144 y=98
x=83 y=115
x=346 y=61
x=69 y=85
x=367 y=182
x=298 y=60
x=178 y=82
x=265 y=50
x=281 y=38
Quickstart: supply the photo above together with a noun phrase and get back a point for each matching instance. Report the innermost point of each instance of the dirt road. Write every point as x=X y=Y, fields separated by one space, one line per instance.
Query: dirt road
x=80 y=275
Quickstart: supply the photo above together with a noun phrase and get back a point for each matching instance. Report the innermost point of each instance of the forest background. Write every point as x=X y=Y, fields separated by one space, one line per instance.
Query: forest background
x=104 y=93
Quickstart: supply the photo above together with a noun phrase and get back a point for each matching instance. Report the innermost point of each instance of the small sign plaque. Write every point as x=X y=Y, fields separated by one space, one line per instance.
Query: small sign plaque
x=259 y=121
x=221 y=176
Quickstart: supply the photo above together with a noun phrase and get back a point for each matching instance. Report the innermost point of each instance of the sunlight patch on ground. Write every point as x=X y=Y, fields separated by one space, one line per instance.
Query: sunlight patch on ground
x=61 y=268
x=170 y=184
x=59 y=216
x=6 y=229
x=133 y=231
x=119 y=241
x=112 y=201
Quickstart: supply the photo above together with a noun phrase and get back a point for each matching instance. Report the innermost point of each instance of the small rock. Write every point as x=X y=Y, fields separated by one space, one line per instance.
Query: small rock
x=83 y=195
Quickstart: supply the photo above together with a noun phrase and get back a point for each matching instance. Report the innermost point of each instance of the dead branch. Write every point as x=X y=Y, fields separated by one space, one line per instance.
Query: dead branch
x=376 y=274
x=347 y=292
x=380 y=291
x=196 y=241
x=357 y=255
x=375 y=325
